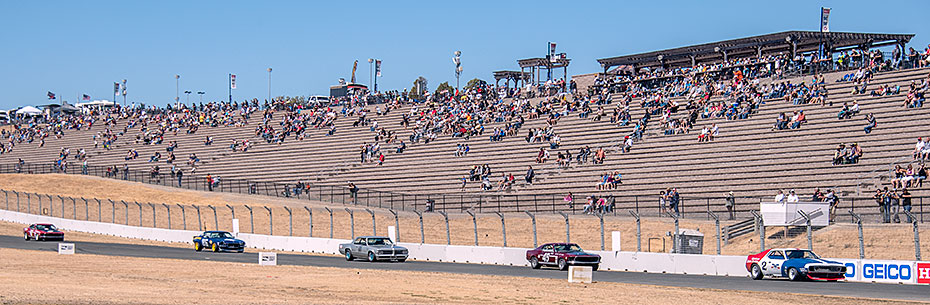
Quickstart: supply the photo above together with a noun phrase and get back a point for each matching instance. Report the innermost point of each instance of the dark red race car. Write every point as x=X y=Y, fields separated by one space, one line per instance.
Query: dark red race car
x=43 y=231
x=561 y=255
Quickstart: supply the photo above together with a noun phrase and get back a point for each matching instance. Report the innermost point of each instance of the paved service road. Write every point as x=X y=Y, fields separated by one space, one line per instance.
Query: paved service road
x=848 y=289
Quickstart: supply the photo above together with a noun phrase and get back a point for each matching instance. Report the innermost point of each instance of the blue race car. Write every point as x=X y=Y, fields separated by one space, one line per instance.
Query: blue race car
x=218 y=241
x=794 y=264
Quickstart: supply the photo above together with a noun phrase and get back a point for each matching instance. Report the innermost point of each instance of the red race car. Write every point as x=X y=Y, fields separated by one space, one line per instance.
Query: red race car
x=561 y=255
x=43 y=231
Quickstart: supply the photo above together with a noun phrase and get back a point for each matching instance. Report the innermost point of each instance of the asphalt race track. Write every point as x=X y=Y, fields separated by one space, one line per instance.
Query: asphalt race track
x=848 y=289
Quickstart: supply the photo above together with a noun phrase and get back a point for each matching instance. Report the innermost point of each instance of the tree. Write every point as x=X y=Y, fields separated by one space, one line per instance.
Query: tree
x=418 y=89
x=474 y=83
x=445 y=87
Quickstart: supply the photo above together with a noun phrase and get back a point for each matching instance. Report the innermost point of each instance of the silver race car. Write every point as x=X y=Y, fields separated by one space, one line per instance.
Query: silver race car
x=373 y=248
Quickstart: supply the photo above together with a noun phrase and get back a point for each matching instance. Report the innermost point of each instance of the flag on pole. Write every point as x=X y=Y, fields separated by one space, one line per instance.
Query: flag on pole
x=825 y=19
x=232 y=81
x=51 y=95
x=378 y=67
x=124 y=88
x=85 y=97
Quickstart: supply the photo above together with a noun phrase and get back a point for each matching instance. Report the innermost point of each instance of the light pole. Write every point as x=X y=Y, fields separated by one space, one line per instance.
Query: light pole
x=201 y=93
x=188 y=92
x=458 y=68
x=371 y=73
x=124 y=92
x=269 y=84
x=177 y=91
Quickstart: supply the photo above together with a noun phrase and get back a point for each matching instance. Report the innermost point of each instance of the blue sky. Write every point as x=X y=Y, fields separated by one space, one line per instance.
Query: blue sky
x=77 y=47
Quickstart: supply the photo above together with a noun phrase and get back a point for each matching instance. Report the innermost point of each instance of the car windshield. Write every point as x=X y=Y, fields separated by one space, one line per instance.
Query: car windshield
x=802 y=254
x=567 y=248
x=46 y=227
x=379 y=241
x=225 y=235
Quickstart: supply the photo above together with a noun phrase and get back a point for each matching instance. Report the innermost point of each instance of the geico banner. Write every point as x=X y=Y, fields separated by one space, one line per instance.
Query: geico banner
x=882 y=271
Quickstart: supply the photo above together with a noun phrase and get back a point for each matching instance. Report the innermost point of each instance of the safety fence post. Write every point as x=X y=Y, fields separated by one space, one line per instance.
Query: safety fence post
x=251 y=219
x=310 y=217
x=675 y=248
x=73 y=208
x=199 y=219
x=916 y=234
x=351 y=221
x=373 y=230
x=270 y=221
x=330 y=221
x=422 y=236
x=639 y=231
x=290 y=222
x=231 y=211
x=396 y=222
x=503 y=228
x=568 y=235
x=717 y=225
x=140 y=213
x=474 y=221
x=858 y=221
x=533 y=219
x=168 y=208
x=86 y=209
x=760 y=227
x=183 y=216
x=154 y=222
x=448 y=235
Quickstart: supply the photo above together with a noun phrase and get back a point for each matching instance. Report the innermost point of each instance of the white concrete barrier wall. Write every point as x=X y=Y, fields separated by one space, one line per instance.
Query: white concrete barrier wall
x=878 y=271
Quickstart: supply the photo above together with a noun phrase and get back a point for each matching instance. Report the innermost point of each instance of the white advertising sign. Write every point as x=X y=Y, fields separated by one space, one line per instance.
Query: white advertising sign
x=580 y=274
x=786 y=214
x=64 y=248
x=267 y=258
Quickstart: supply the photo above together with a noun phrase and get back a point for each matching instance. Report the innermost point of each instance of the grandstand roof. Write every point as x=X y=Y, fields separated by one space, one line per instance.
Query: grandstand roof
x=768 y=44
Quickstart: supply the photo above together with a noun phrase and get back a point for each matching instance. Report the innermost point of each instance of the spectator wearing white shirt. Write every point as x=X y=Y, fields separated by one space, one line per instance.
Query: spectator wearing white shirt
x=780 y=198
x=792 y=197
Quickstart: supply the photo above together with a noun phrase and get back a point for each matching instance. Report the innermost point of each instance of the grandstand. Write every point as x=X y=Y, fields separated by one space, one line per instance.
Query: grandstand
x=748 y=158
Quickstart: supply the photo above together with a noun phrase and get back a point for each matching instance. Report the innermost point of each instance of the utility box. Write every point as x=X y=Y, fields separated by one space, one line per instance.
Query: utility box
x=690 y=242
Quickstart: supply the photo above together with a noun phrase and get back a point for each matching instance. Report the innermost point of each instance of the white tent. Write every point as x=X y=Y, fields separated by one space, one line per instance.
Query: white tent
x=102 y=103
x=29 y=110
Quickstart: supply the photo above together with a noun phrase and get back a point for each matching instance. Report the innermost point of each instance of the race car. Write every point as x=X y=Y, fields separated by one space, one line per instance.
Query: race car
x=218 y=241
x=43 y=231
x=373 y=248
x=794 y=264
x=561 y=255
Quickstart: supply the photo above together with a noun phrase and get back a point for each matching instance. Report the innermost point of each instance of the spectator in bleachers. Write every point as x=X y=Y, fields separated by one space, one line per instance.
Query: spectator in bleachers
x=871 y=123
x=780 y=197
x=530 y=175
x=792 y=197
x=730 y=204
x=798 y=119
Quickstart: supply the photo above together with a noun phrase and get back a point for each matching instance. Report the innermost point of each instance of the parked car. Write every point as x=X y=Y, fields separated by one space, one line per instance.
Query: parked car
x=43 y=231
x=374 y=248
x=561 y=255
x=218 y=241
x=794 y=264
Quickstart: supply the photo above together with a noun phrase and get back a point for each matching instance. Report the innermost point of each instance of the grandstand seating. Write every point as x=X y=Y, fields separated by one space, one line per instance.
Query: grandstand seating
x=747 y=158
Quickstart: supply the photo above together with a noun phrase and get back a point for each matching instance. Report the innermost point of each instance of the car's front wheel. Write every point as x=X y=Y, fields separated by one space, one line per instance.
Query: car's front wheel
x=534 y=263
x=198 y=247
x=216 y=248
x=793 y=274
x=594 y=267
x=26 y=236
x=348 y=255
x=755 y=272
x=563 y=265
x=371 y=257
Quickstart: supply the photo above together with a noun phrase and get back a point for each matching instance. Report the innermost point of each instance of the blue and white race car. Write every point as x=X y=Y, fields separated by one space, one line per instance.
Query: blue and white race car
x=218 y=241
x=794 y=264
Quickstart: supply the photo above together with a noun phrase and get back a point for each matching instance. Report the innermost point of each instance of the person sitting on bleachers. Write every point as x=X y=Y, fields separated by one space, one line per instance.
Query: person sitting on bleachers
x=798 y=119
x=208 y=141
x=871 y=125
x=855 y=152
x=840 y=155
x=155 y=157
x=781 y=122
